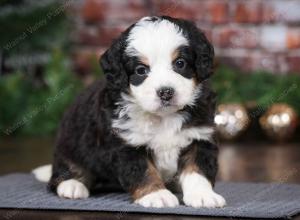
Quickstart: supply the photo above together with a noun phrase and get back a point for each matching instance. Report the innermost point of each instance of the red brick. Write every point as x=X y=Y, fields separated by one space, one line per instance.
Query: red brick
x=262 y=61
x=248 y=12
x=107 y=34
x=87 y=36
x=271 y=12
x=236 y=62
x=192 y=9
x=102 y=35
x=284 y=11
x=235 y=37
x=272 y=62
x=93 y=10
x=217 y=12
x=125 y=12
x=293 y=39
x=249 y=61
x=82 y=58
x=114 y=11
x=275 y=45
x=268 y=14
x=208 y=33
x=293 y=62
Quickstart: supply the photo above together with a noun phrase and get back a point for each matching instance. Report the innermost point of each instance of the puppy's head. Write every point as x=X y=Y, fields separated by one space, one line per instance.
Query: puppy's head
x=160 y=63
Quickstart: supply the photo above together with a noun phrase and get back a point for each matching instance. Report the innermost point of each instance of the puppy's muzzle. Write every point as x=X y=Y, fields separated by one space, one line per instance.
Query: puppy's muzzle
x=165 y=94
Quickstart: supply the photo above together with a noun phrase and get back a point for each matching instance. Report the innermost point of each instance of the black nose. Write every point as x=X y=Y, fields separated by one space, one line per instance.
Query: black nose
x=165 y=93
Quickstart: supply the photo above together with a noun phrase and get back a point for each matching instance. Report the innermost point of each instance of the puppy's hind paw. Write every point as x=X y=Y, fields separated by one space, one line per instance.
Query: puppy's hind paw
x=72 y=189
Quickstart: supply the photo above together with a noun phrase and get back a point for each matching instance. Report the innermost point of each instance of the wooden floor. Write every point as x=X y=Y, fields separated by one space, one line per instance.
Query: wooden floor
x=251 y=162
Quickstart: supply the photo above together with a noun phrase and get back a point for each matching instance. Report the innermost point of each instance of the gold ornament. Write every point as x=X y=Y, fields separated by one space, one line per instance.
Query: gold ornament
x=279 y=122
x=231 y=120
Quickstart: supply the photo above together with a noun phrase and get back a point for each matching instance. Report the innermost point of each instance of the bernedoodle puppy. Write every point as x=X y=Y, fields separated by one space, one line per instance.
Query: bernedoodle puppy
x=149 y=127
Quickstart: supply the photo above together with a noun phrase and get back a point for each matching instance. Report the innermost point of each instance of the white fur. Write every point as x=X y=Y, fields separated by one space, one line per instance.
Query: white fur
x=158 y=199
x=151 y=124
x=156 y=41
x=43 y=173
x=164 y=135
x=72 y=189
x=198 y=192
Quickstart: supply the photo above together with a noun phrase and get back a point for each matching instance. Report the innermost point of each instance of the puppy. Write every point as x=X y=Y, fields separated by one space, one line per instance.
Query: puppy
x=150 y=125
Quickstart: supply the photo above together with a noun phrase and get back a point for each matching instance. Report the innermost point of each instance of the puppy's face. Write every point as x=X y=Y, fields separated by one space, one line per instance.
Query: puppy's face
x=165 y=60
x=162 y=78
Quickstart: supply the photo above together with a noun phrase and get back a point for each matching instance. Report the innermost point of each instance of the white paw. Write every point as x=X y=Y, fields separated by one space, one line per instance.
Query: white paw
x=158 y=199
x=208 y=199
x=72 y=189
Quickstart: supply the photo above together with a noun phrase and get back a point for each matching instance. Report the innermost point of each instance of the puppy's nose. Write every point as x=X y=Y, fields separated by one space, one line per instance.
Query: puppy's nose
x=165 y=93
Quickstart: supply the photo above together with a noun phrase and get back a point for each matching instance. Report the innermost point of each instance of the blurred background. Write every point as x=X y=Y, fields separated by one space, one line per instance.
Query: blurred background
x=50 y=51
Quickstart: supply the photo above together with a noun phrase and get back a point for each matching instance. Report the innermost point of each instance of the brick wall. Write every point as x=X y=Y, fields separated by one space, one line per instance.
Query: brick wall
x=248 y=34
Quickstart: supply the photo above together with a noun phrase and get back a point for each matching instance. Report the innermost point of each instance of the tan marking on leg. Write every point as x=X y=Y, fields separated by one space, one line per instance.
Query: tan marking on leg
x=77 y=173
x=152 y=182
x=187 y=162
x=80 y=173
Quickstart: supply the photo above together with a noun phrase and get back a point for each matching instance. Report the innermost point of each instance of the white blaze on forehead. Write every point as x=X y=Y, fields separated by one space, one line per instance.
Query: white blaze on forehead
x=155 y=40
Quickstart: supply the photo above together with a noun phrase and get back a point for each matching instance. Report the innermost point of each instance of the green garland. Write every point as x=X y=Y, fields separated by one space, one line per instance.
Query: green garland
x=30 y=25
x=262 y=88
x=28 y=109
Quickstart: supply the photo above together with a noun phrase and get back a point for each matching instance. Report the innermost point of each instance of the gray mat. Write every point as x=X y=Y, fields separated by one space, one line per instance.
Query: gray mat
x=243 y=199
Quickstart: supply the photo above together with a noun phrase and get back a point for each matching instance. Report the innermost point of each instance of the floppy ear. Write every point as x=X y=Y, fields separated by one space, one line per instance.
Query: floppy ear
x=112 y=64
x=204 y=53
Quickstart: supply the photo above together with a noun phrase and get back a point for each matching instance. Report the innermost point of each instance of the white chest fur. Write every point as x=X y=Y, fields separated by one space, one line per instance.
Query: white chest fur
x=165 y=136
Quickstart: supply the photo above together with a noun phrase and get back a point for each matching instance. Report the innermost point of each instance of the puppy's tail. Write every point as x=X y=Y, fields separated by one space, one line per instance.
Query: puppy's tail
x=43 y=173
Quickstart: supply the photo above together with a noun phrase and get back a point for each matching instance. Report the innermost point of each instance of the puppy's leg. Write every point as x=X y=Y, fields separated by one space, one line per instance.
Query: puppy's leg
x=138 y=175
x=69 y=180
x=198 y=168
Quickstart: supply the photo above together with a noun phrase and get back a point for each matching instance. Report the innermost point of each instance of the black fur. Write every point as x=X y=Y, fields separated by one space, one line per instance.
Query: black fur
x=202 y=49
x=205 y=157
x=87 y=148
x=187 y=54
x=130 y=66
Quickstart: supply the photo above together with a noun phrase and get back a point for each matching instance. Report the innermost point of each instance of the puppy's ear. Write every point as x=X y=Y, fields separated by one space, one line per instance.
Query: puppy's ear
x=204 y=53
x=112 y=64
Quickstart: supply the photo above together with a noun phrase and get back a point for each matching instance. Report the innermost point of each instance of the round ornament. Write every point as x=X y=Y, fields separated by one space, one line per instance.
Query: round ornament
x=231 y=120
x=279 y=122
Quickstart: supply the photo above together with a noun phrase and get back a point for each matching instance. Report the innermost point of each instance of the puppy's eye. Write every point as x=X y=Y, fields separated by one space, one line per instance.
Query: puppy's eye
x=180 y=63
x=141 y=70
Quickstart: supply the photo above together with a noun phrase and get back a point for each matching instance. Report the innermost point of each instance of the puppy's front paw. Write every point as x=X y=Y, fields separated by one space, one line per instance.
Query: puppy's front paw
x=72 y=189
x=158 y=199
x=208 y=199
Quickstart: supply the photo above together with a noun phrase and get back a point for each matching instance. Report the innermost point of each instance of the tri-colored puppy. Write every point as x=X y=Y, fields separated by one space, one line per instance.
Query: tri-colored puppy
x=149 y=126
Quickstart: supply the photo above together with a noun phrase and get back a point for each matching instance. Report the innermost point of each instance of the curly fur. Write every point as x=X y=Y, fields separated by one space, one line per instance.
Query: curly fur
x=90 y=149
